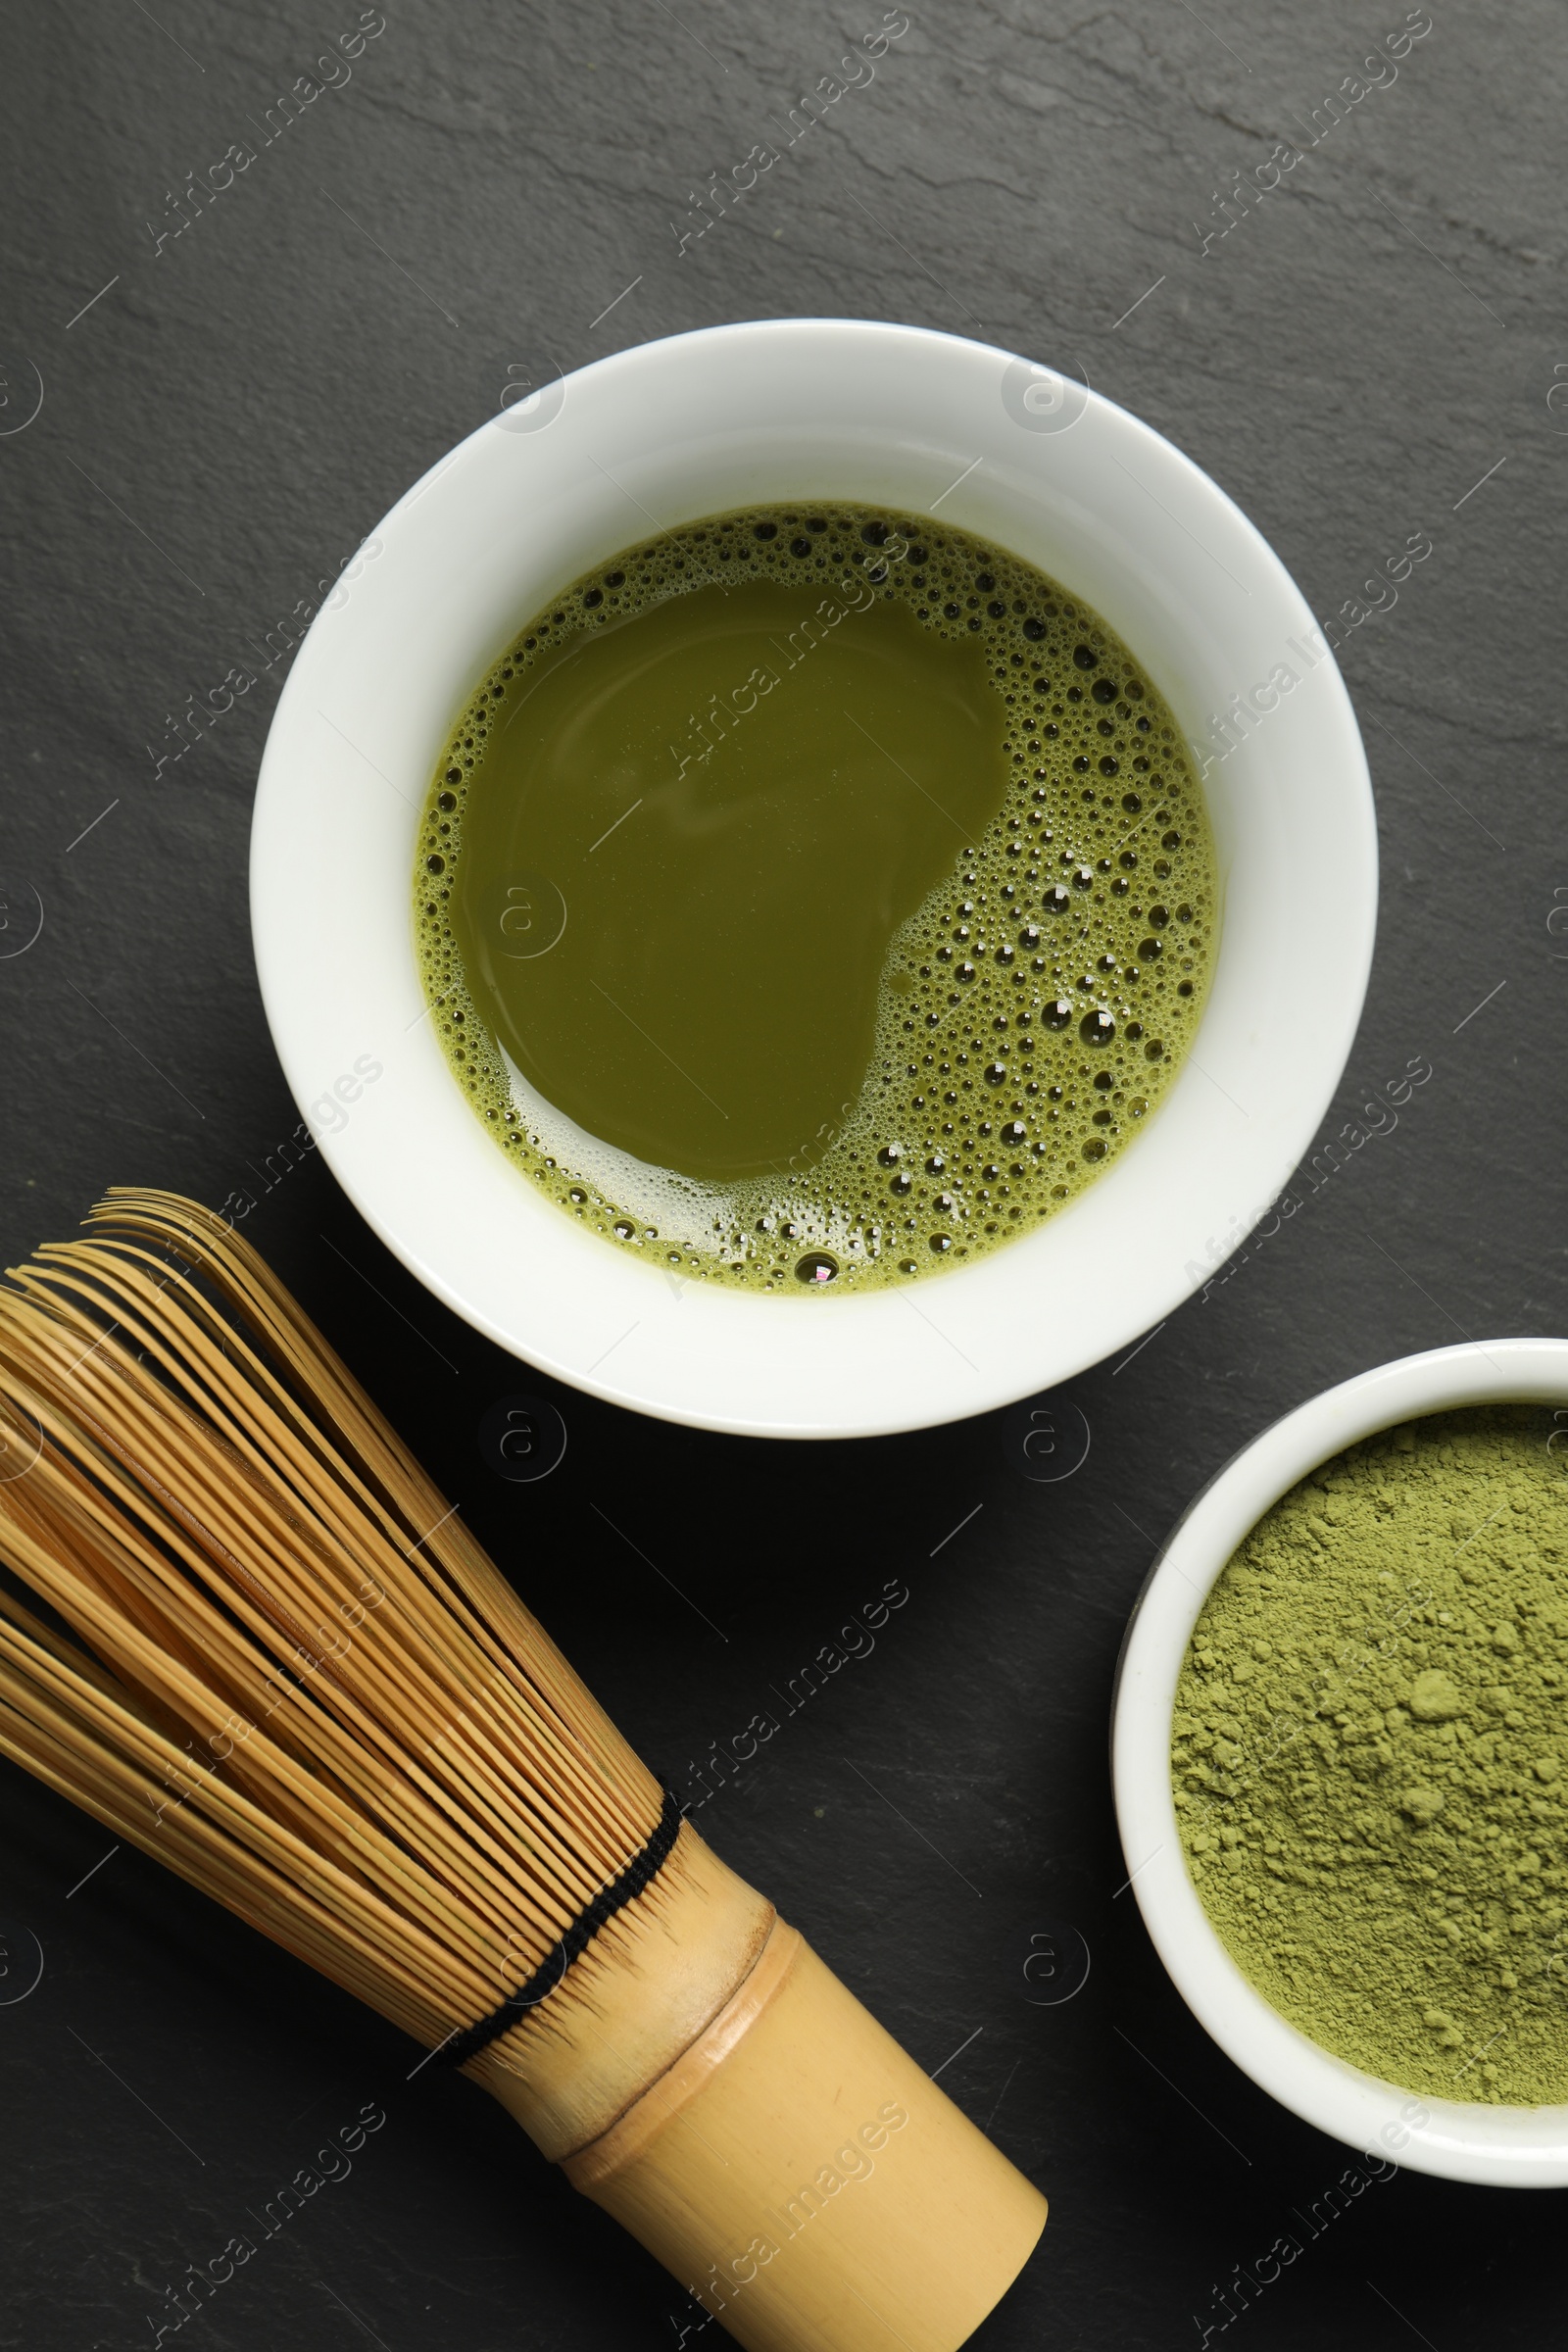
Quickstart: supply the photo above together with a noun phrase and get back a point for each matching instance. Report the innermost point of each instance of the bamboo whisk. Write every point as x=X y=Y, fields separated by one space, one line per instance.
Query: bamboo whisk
x=274 y=1659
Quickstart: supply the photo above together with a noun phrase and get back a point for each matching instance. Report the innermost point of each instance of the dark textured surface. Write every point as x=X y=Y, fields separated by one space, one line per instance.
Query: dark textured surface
x=218 y=432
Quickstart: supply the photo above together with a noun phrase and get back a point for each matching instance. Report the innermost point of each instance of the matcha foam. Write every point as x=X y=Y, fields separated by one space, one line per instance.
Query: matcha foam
x=1032 y=1011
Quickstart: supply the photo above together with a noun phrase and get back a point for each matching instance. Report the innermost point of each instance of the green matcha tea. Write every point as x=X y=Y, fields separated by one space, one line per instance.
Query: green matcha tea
x=1370 y=1760
x=814 y=896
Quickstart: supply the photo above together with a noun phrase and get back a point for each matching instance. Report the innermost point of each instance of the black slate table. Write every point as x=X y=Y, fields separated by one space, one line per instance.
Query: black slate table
x=207 y=402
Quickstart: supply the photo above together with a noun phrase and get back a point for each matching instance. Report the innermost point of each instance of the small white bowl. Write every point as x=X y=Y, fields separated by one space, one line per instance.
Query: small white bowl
x=1511 y=2147
x=732 y=417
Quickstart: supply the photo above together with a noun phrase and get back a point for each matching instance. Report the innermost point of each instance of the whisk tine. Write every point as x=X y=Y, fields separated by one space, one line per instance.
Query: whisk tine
x=196 y=1518
x=320 y=1376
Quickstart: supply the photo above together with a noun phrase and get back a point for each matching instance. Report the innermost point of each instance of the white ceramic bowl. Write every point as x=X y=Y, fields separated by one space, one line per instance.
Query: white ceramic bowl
x=726 y=418
x=1513 y=2147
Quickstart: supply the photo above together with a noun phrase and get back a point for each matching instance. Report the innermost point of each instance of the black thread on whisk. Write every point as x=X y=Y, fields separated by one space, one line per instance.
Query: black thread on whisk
x=623 y=1888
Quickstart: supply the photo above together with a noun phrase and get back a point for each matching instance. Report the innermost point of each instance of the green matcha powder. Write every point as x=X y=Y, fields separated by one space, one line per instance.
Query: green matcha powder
x=1367 y=1758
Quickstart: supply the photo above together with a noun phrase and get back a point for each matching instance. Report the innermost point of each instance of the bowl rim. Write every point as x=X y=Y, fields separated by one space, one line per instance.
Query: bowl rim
x=715 y=1364
x=1521 y=2147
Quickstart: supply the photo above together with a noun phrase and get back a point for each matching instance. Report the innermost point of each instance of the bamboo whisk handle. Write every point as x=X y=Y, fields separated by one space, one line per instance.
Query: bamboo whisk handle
x=785 y=2159
x=808 y=2182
